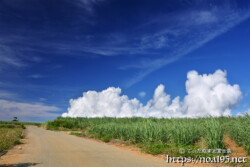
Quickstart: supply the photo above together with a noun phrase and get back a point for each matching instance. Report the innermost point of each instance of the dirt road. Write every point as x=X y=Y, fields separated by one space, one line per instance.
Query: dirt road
x=52 y=149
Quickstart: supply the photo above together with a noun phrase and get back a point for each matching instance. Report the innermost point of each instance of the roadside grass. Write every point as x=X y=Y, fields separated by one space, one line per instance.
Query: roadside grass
x=9 y=136
x=81 y=134
x=161 y=136
x=11 y=133
x=19 y=123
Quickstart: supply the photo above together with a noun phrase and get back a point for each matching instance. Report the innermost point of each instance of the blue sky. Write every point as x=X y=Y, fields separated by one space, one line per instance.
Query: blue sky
x=54 y=50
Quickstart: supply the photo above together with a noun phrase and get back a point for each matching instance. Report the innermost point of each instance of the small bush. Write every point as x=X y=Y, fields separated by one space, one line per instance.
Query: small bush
x=156 y=148
x=106 y=138
x=82 y=134
x=18 y=142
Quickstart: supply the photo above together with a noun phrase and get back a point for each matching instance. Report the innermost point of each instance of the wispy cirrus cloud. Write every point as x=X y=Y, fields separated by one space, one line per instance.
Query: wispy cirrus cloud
x=188 y=35
x=7 y=95
x=87 y=5
x=9 y=58
x=177 y=35
x=26 y=111
x=36 y=76
x=148 y=44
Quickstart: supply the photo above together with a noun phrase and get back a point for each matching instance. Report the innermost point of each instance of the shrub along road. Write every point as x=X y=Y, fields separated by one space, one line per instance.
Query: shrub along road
x=49 y=148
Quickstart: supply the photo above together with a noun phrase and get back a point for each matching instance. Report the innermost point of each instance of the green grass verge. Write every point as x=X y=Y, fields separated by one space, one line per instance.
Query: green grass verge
x=82 y=134
x=9 y=136
x=19 y=123
x=156 y=136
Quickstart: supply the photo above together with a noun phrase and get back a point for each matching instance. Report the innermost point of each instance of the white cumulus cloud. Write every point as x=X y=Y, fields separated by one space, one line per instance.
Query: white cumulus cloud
x=108 y=103
x=207 y=95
